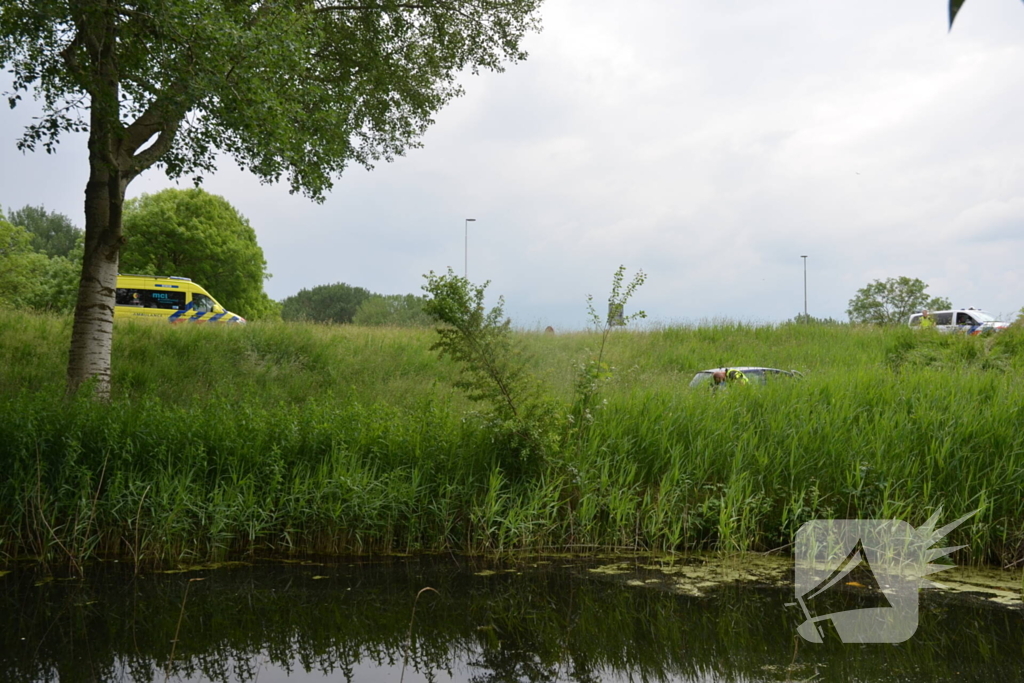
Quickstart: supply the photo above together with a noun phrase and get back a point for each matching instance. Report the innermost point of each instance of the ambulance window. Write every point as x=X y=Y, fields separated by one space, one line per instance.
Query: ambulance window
x=163 y=299
x=203 y=303
x=128 y=297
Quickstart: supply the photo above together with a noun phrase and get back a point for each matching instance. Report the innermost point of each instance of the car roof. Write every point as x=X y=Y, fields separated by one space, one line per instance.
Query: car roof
x=969 y=309
x=745 y=369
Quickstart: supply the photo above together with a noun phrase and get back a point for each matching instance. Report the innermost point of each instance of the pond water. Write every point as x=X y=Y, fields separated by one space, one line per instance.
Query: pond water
x=541 y=619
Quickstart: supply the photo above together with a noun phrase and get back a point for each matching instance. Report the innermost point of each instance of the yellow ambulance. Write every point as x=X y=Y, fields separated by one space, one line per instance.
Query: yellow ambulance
x=174 y=299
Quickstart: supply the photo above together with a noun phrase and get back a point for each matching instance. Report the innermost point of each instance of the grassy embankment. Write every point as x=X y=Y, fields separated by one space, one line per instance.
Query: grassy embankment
x=307 y=439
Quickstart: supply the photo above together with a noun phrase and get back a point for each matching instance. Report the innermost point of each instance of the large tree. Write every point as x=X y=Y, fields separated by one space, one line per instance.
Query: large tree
x=40 y=260
x=289 y=88
x=393 y=310
x=195 y=234
x=892 y=301
x=335 y=303
x=53 y=234
x=22 y=269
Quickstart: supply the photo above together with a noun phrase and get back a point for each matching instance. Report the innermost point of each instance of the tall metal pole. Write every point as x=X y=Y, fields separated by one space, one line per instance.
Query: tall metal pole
x=465 y=272
x=804 y=257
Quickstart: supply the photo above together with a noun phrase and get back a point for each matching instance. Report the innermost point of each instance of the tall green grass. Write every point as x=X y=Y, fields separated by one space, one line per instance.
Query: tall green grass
x=309 y=439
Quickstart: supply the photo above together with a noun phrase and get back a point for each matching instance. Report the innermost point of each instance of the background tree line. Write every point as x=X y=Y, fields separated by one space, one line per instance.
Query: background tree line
x=40 y=260
x=341 y=303
x=892 y=301
x=188 y=233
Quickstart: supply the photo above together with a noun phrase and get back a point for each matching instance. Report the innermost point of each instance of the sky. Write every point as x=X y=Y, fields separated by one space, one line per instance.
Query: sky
x=710 y=144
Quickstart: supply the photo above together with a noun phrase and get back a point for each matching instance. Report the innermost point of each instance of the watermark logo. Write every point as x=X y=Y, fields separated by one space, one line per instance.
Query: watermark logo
x=881 y=563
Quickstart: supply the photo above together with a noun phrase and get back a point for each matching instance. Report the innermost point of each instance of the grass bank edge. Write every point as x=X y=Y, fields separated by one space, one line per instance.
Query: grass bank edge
x=235 y=458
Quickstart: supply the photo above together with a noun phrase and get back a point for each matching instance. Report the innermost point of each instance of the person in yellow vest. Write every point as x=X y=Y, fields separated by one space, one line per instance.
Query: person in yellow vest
x=721 y=379
x=736 y=377
x=926 y=320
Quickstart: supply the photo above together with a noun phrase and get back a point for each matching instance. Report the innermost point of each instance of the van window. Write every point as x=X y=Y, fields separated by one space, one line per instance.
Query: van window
x=203 y=303
x=149 y=298
x=943 y=318
x=965 y=319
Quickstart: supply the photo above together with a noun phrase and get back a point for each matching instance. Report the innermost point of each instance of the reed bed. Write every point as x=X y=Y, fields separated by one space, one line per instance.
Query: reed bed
x=304 y=439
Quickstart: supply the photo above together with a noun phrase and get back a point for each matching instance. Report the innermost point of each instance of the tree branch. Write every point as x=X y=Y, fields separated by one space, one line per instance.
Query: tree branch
x=149 y=156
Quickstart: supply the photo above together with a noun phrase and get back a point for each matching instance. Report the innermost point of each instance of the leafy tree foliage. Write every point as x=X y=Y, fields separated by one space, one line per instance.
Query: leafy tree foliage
x=396 y=310
x=53 y=234
x=807 y=319
x=22 y=269
x=494 y=371
x=28 y=279
x=892 y=301
x=337 y=303
x=60 y=283
x=195 y=234
x=954 y=8
x=295 y=90
x=593 y=372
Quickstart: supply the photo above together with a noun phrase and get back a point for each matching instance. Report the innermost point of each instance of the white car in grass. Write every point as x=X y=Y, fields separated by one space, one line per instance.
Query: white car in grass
x=755 y=375
x=966 y=320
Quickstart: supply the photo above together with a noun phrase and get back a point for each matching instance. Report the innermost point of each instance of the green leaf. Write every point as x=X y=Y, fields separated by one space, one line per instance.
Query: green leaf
x=954 y=7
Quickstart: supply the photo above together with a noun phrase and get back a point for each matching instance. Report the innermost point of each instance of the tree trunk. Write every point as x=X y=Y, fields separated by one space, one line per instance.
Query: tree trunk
x=114 y=161
x=92 y=332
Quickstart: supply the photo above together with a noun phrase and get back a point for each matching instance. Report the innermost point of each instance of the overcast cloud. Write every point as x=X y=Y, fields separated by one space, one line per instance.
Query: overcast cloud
x=708 y=143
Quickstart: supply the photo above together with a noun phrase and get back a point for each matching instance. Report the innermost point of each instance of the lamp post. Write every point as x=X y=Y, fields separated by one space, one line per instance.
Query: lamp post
x=465 y=273
x=804 y=257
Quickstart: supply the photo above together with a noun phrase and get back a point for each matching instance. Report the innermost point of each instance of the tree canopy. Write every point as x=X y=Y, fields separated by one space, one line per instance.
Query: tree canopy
x=41 y=262
x=335 y=303
x=394 y=310
x=52 y=233
x=807 y=319
x=892 y=301
x=295 y=89
x=291 y=90
x=198 y=235
x=21 y=268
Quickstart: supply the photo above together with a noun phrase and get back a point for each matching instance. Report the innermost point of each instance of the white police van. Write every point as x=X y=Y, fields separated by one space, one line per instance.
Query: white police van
x=966 y=320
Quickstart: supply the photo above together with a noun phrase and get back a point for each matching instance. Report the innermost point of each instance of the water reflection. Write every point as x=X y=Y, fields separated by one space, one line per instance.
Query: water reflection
x=547 y=621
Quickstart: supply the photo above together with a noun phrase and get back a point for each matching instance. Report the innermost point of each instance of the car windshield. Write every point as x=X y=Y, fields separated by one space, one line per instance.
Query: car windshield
x=982 y=316
x=700 y=378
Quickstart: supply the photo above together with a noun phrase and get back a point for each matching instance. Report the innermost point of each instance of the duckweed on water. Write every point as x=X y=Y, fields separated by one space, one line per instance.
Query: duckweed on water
x=271 y=621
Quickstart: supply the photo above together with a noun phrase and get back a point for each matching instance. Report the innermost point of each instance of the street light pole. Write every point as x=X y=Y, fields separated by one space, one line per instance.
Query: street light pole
x=804 y=257
x=465 y=273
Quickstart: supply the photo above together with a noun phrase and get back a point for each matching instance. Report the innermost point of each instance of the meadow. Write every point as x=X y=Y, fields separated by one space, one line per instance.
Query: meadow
x=296 y=439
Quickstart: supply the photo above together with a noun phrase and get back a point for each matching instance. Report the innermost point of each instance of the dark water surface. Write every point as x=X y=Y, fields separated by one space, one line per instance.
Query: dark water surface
x=537 y=620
